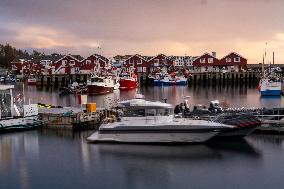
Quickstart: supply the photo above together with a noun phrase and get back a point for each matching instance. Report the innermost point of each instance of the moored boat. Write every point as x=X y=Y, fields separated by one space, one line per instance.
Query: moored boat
x=270 y=86
x=154 y=122
x=168 y=80
x=32 y=81
x=10 y=122
x=128 y=81
x=100 y=85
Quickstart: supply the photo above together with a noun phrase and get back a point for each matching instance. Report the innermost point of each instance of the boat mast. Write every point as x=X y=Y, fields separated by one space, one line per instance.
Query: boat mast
x=273 y=58
x=262 y=66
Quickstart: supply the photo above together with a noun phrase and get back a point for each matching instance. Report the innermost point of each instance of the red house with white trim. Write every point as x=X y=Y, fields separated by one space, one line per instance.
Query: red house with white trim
x=66 y=65
x=160 y=61
x=136 y=63
x=233 y=61
x=94 y=63
x=205 y=63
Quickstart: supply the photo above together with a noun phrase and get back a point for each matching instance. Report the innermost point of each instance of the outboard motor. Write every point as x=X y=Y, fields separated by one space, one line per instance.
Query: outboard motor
x=215 y=106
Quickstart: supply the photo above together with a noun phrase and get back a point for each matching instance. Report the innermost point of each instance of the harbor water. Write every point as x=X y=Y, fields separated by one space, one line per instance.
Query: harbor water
x=230 y=95
x=61 y=159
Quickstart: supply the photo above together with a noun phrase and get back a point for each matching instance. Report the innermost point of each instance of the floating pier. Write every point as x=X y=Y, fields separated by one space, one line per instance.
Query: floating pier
x=70 y=118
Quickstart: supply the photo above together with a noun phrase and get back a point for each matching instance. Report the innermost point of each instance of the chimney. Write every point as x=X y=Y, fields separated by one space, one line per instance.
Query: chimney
x=214 y=54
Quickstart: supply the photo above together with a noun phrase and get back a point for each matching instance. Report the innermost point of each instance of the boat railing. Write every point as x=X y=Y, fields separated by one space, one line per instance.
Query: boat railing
x=219 y=118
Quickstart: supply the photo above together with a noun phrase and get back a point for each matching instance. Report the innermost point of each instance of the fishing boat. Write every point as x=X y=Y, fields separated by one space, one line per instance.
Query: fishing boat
x=168 y=80
x=100 y=85
x=32 y=80
x=28 y=119
x=154 y=122
x=270 y=84
x=128 y=81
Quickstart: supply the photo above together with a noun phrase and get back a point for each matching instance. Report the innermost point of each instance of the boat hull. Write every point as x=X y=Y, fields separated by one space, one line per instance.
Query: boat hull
x=155 y=137
x=237 y=132
x=31 y=82
x=126 y=84
x=19 y=124
x=169 y=83
x=97 y=90
x=271 y=93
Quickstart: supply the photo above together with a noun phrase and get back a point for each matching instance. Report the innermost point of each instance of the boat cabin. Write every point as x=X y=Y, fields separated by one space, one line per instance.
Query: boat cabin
x=143 y=108
x=6 y=101
x=97 y=79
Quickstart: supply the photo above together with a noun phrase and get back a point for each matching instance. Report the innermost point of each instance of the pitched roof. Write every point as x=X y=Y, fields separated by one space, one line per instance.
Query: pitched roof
x=138 y=55
x=235 y=54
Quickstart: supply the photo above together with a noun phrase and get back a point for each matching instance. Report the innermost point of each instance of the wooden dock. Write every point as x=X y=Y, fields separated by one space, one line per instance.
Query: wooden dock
x=69 y=118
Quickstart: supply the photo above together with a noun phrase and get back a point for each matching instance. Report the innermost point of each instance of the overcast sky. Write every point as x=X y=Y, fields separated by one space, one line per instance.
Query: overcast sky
x=147 y=27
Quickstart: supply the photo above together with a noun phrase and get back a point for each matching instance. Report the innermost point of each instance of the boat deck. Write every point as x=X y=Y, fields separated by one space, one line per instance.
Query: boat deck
x=162 y=122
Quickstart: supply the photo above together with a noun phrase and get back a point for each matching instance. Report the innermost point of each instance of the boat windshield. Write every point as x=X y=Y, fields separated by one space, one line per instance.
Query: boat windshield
x=5 y=104
x=96 y=79
x=142 y=112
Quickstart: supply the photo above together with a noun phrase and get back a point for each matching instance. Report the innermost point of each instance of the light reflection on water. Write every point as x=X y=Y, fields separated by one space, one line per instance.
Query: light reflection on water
x=49 y=159
x=230 y=95
x=60 y=159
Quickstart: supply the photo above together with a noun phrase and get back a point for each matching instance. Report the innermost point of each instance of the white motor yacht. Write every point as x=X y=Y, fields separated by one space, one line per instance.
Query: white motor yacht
x=150 y=122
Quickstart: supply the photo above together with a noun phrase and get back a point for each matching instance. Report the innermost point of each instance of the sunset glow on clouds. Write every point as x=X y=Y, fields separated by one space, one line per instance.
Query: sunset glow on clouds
x=148 y=27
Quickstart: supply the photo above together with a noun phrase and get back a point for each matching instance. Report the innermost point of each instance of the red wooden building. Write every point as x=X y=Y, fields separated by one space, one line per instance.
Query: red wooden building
x=66 y=65
x=93 y=63
x=160 y=61
x=233 y=61
x=205 y=62
x=136 y=63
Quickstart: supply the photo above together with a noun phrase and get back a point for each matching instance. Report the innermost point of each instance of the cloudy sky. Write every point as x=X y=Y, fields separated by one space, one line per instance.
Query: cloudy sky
x=147 y=27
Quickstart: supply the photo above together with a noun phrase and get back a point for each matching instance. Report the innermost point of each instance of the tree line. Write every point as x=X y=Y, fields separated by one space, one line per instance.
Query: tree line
x=9 y=53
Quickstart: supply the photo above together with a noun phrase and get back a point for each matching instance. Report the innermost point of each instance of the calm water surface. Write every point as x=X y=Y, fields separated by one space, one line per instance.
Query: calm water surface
x=57 y=159
x=230 y=95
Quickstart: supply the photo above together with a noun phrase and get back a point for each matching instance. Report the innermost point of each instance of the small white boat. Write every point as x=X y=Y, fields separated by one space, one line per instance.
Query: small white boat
x=10 y=122
x=32 y=81
x=154 y=122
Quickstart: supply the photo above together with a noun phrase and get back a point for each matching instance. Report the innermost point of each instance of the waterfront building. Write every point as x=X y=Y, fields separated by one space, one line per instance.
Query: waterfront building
x=206 y=63
x=160 y=61
x=56 y=64
x=69 y=64
x=233 y=62
x=136 y=63
x=94 y=63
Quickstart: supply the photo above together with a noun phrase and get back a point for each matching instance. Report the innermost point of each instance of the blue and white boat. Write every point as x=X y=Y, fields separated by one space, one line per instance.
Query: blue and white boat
x=270 y=84
x=270 y=87
x=169 y=81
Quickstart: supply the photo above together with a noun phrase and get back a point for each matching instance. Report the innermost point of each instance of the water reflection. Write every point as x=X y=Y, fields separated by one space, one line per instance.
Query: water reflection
x=15 y=152
x=233 y=95
x=50 y=159
x=238 y=146
x=271 y=140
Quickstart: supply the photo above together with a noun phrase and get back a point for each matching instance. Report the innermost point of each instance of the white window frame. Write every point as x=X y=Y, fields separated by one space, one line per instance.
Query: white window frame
x=139 y=69
x=210 y=60
x=139 y=61
x=64 y=62
x=144 y=69
x=228 y=60
x=237 y=59
x=72 y=62
x=202 y=60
